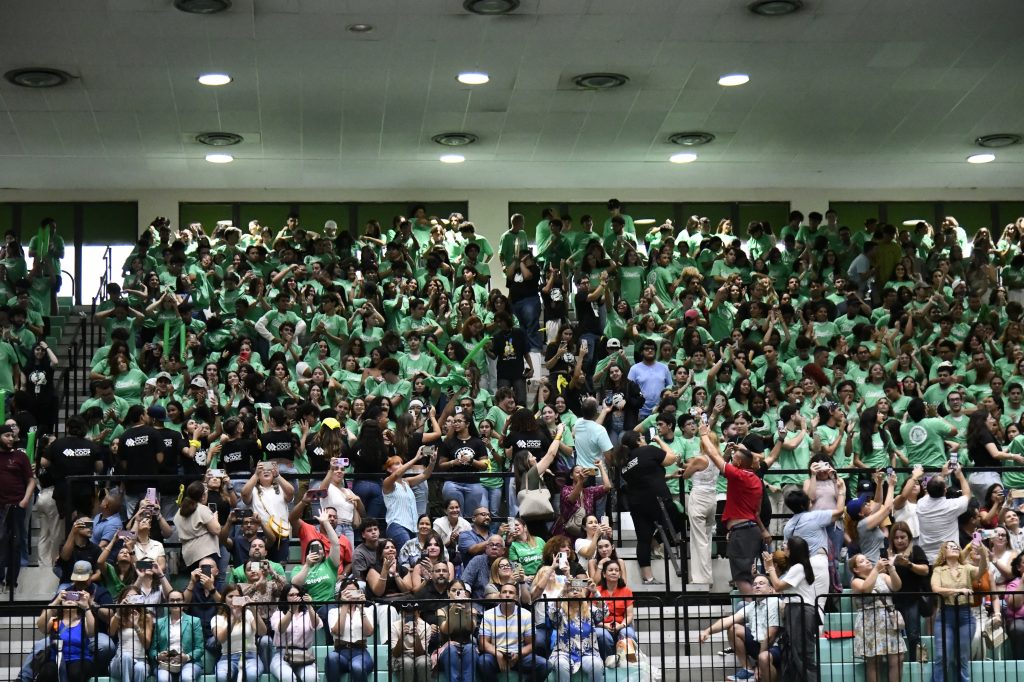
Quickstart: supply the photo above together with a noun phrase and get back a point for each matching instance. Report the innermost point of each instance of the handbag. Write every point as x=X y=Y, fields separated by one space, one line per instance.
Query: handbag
x=299 y=656
x=574 y=526
x=535 y=505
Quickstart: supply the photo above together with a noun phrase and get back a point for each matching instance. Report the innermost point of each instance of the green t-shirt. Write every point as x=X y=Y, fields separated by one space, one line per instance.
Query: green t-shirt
x=320 y=580
x=925 y=441
x=797 y=458
x=631 y=283
x=528 y=556
x=9 y=362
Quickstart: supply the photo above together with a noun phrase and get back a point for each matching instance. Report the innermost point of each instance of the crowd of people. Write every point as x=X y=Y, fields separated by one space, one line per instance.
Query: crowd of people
x=347 y=427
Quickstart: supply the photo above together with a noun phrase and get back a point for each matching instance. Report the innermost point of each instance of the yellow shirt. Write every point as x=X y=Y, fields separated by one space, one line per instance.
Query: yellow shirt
x=944 y=577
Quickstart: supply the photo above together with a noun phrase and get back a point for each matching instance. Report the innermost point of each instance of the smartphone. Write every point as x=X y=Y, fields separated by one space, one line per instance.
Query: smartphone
x=239 y=601
x=151 y=494
x=87 y=523
x=244 y=513
x=143 y=564
x=255 y=566
x=889 y=471
x=578 y=583
x=704 y=418
x=317 y=494
x=72 y=596
x=212 y=506
x=135 y=600
x=217 y=473
x=429 y=450
x=604 y=520
x=782 y=425
x=652 y=433
x=126 y=535
x=206 y=570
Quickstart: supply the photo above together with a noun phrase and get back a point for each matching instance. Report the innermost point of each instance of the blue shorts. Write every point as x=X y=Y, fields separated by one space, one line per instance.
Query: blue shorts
x=754 y=648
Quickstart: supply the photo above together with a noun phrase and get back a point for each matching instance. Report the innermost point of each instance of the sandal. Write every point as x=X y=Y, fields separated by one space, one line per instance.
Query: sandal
x=652 y=581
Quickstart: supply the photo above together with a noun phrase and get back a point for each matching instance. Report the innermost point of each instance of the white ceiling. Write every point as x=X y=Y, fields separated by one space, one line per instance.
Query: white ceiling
x=845 y=94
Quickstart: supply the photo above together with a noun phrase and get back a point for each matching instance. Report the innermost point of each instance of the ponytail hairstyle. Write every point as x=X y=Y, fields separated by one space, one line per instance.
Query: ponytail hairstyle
x=193 y=497
x=630 y=441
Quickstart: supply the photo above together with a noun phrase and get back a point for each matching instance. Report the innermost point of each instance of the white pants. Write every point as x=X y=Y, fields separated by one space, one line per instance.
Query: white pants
x=700 y=510
x=819 y=562
x=51 y=527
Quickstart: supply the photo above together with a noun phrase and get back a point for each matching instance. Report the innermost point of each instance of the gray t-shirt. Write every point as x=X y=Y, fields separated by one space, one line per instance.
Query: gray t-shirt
x=870 y=540
x=363 y=559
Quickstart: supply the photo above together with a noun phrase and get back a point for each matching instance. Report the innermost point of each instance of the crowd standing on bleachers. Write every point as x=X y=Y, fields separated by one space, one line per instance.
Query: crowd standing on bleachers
x=277 y=408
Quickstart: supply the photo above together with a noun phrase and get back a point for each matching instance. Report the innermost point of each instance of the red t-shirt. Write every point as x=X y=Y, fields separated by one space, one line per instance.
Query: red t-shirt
x=309 y=532
x=616 y=608
x=742 y=496
x=15 y=475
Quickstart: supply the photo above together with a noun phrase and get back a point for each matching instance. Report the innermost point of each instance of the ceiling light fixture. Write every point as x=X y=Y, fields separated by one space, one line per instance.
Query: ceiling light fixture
x=473 y=78
x=693 y=139
x=997 y=140
x=600 y=81
x=685 y=157
x=219 y=139
x=455 y=139
x=219 y=158
x=733 y=79
x=359 y=28
x=38 y=77
x=981 y=158
x=452 y=158
x=490 y=7
x=214 y=79
x=775 y=8
x=202 y=6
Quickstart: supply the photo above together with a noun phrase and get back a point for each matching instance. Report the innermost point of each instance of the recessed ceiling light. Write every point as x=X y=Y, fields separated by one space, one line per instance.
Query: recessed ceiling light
x=218 y=139
x=981 y=158
x=214 y=79
x=600 y=81
x=490 y=7
x=455 y=139
x=219 y=158
x=359 y=28
x=775 y=8
x=202 y=6
x=452 y=158
x=473 y=78
x=997 y=140
x=694 y=139
x=685 y=157
x=38 y=77
x=729 y=80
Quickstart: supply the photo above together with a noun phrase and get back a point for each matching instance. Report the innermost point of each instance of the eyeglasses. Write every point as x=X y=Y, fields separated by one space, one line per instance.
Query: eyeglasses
x=504 y=564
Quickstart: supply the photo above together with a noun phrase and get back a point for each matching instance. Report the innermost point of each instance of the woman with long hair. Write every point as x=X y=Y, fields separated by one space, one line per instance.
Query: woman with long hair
x=643 y=469
x=408 y=437
x=198 y=528
x=237 y=629
x=576 y=643
x=69 y=619
x=912 y=567
x=294 y=624
x=369 y=453
x=387 y=578
x=618 y=623
x=625 y=398
x=399 y=499
x=133 y=626
x=270 y=494
x=876 y=629
x=952 y=580
x=456 y=622
x=983 y=449
x=799 y=577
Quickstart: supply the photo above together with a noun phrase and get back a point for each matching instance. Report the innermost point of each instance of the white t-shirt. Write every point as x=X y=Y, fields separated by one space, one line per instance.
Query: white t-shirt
x=353 y=631
x=266 y=503
x=236 y=644
x=796 y=578
x=936 y=519
x=335 y=498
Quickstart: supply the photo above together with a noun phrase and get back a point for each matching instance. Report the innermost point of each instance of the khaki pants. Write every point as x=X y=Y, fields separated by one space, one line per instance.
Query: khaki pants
x=700 y=509
x=51 y=527
x=411 y=668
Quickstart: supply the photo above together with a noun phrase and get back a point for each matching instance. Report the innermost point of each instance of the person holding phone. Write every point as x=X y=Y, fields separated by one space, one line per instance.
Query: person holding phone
x=236 y=630
x=351 y=625
x=877 y=625
x=133 y=626
x=269 y=495
x=399 y=498
x=457 y=624
x=576 y=632
x=182 y=664
x=506 y=640
x=410 y=637
x=70 y=618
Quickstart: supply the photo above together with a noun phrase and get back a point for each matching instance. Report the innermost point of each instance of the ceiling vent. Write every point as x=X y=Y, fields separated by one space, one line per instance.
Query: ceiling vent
x=455 y=139
x=219 y=139
x=38 y=77
x=600 y=81
x=202 y=6
x=997 y=140
x=490 y=7
x=694 y=139
x=775 y=8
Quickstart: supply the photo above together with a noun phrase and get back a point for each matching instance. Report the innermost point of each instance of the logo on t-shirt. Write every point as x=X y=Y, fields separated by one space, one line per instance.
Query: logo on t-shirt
x=82 y=452
x=138 y=440
x=918 y=434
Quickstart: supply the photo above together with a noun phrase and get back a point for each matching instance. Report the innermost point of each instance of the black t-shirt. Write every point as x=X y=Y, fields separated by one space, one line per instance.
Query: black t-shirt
x=979 y=451
x=511 y=348
x=196 y=466
x=40 y=379
x=536 y=443
x=279 y=445
x=454 y=448
x=91 y=553
x=587 y=315
x=138 y=456
x=172 y=444
x=644 y=473
x=566 y=359
x=239 y=456
x=520 y=287
x=556 y=304
x=365 y=462
x=912 y=582
x=70 y=456
x=319 y=459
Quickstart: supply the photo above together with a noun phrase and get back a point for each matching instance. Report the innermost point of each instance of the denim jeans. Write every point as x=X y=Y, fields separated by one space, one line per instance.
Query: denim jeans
x=190 y=672
x=527 y=311
x=128 y=669
x=954 y=627
x=492 y=500
x=606 y=639
x=469 y=495
x=400 y=534
x=372 y=496
x=101 y=654
x=592 y=667
x=228 y=665
x=356 y=662
x=912 y=617
x=458 y=661
x=530 y=667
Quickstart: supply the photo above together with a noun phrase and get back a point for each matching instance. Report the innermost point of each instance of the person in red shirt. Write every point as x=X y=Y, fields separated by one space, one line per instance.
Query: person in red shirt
x=16 y=487
x=308 y=532
x=746 y=534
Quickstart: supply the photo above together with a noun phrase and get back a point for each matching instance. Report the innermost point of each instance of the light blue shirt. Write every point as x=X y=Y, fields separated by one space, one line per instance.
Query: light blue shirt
x=591 y=441
x=652 y=380
x=811 y=527
x=400 y=506
x=105 y=528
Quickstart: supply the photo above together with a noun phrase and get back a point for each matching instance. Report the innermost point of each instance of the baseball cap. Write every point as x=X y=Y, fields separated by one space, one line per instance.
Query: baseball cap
x=691 y=314
x=415 y=404
x=163 y=375
x=157 y=412
x=614 y=343
x=199 y=381
x=330 y=423
x=854 y=506
x=81 y=571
